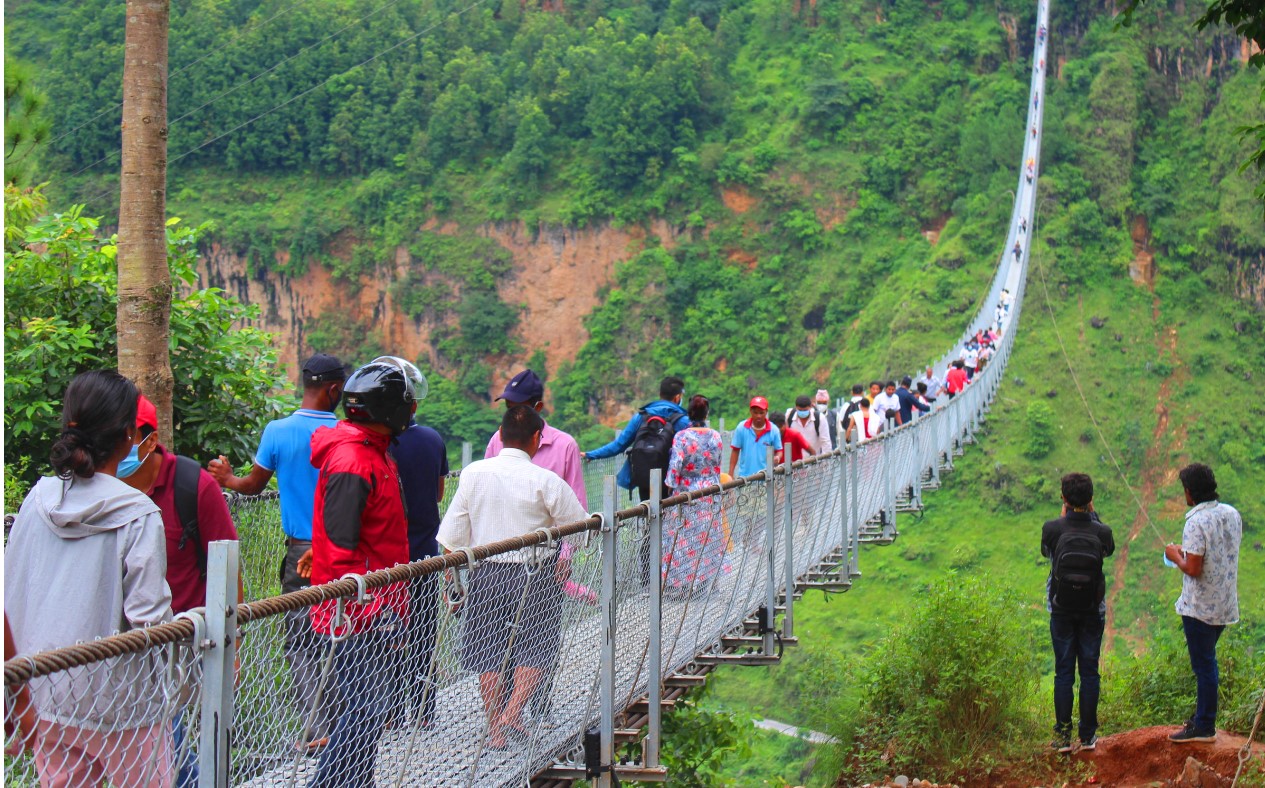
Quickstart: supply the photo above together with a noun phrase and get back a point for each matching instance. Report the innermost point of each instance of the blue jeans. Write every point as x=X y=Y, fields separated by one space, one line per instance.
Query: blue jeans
x=1077 y=639
x=185 y=763
x=1201 y=643
x=364 y=674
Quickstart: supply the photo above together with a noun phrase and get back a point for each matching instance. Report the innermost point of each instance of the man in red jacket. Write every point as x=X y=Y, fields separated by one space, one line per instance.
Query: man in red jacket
x=359 y=526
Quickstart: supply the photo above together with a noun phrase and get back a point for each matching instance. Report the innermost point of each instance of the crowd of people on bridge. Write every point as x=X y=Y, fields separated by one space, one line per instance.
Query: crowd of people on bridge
x=130 y=520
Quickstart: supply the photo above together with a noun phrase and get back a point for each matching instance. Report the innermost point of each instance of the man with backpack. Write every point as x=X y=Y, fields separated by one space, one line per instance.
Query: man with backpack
x=194 y=515
x=648 y=439
x=844 y=428
x=1076 y=544
x=812 y=424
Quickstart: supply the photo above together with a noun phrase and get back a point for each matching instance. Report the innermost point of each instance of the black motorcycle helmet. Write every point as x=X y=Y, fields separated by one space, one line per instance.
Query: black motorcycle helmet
x=380 y=392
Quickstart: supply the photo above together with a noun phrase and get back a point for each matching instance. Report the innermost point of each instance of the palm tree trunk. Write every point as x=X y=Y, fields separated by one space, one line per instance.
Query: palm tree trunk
x=144 y=313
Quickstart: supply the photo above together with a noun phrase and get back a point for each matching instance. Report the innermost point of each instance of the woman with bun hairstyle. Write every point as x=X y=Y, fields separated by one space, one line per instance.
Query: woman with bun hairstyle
x=86 y=559
x=693 y=534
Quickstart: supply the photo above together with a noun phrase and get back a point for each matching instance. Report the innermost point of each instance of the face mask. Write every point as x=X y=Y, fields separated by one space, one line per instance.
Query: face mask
x=132 y=462
x=803 y=414
x=821 y=407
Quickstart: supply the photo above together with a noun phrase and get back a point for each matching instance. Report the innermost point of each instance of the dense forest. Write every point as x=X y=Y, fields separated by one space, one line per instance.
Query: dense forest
x=834 y=177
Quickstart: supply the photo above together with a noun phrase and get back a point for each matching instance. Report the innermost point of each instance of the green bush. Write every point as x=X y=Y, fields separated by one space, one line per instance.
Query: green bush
x=1156 y=687
x=950 y=691
x=1040 y=430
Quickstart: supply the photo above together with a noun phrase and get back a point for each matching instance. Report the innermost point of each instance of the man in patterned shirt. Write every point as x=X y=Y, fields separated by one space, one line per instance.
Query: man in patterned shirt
x=1209 y=558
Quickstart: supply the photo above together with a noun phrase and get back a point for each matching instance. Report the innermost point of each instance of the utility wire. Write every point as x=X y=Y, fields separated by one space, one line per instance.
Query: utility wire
x=1088 y=410
x=181 y=70
x=297 y=96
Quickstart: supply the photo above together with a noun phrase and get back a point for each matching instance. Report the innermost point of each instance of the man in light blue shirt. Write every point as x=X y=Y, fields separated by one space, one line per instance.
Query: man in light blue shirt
x=751 y=438
x=286 y=450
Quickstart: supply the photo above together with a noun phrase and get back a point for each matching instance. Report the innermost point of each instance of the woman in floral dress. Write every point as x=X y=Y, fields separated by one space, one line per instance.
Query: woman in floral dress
x=693 y=534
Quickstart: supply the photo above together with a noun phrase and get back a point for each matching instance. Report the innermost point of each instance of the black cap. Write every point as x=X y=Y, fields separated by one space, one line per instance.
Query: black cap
x=526 y=386
x=323 y=367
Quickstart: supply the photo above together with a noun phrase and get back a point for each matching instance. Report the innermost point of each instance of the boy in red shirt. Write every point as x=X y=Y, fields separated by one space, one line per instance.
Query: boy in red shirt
x=792 y=439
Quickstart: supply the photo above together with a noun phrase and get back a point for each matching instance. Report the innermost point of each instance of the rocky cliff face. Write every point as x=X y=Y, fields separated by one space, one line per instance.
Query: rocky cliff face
x=558 y=276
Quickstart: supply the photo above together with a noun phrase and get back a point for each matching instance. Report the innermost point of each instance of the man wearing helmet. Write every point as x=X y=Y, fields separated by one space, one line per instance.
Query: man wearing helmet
x=358 y=527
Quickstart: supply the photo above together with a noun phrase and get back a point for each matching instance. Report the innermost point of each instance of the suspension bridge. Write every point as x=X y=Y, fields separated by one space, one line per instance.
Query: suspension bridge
x=626 y=651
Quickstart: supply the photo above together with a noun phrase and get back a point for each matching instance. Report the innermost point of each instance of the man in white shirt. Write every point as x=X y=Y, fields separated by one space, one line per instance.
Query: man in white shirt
x=501 y=498
x=970 y=358
x=814 y=426
x=866 y=424
x=935 y=386
x=887 y=405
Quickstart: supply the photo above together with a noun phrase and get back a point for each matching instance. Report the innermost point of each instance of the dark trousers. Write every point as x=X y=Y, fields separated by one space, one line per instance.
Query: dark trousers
x=363 y=671
x=1201 y=644
x=1077 y=639
x=303 y=651
x=420 y=632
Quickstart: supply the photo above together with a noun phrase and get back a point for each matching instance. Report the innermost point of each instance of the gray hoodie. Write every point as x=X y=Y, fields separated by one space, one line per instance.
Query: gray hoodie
x=86 y=559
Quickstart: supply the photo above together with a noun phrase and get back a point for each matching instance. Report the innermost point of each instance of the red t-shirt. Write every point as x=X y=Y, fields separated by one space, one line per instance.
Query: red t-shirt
x=188 y=589
x=956 y=380
x=797 y=443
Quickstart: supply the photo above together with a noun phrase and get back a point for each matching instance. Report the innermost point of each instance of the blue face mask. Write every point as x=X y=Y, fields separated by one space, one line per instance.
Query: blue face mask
x=803 y=414
x=132 y=462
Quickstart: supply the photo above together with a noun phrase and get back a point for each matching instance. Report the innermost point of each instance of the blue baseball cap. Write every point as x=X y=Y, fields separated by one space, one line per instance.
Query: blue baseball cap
x=526 y=386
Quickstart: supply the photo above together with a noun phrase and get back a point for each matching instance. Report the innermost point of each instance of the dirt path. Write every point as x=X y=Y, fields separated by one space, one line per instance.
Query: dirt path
x=1156 y=471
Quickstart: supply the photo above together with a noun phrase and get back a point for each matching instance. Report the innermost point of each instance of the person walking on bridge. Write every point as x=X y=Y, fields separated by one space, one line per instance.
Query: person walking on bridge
x=747 y=446
x=359 y=526
x=1209 y=558
x=85 y=559
x=286 y=451
x=694 y=534
x=844 y=429
x=1076 y=544
x=908 y=402
x=500 y=498
x=822 y=404
x=811 y=424
x=667 y=409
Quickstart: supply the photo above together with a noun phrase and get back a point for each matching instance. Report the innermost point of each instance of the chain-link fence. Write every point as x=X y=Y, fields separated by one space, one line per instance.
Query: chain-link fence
x=491 y=665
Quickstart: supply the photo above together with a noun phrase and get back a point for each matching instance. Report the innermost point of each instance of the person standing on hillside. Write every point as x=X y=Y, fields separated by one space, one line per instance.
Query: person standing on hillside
x=810 y=424
x=286 y=450
x=1076 y=544
x=1209 y=558
x=359 y=526
x=666 y=409
x=747 y=445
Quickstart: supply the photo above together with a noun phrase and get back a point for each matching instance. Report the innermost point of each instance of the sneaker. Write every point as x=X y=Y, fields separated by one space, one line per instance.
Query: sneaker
x=1190 y=734
x=1061 y=744
x=1090 y=744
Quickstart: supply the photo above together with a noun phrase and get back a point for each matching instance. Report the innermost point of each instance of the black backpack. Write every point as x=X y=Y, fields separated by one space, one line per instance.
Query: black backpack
x=188 y=473
x=651 y=448
x=1077 y=584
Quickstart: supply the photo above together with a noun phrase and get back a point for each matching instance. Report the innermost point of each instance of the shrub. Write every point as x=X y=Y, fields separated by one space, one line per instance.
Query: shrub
x=1040 y=430
x=1156 y=686
x=950 y=691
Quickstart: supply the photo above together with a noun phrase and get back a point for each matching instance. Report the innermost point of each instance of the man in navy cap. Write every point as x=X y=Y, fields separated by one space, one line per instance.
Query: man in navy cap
x=558 y=452
x=286 y=450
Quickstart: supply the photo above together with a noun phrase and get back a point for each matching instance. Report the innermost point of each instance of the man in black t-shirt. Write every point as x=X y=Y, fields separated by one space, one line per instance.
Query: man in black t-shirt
x=1073 y=543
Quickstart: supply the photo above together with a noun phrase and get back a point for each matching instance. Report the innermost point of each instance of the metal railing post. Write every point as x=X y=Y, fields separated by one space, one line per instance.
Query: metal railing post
x=610 y=609
x=770 y=548
x=845 y=538
x=467 y=453
x=788 y=554
x=854 y=518
x=650 y=754
x=218 y=654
